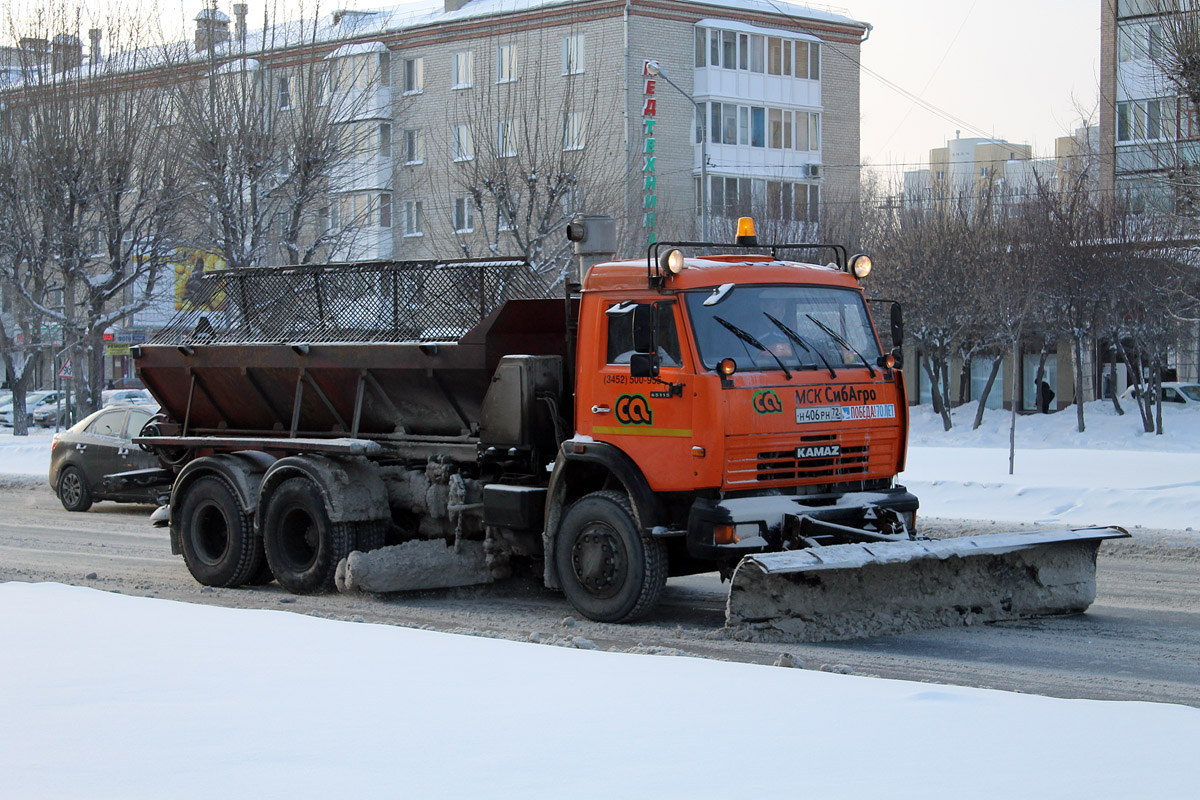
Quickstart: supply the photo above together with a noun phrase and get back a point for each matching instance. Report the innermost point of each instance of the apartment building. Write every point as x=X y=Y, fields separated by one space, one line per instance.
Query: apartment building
x=478 y=107
x=968 y=167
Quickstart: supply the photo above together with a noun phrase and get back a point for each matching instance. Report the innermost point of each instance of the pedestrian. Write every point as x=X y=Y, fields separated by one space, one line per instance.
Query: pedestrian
x=1045 y=397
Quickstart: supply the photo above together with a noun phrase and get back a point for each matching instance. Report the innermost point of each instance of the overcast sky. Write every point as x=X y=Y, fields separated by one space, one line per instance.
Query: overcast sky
x=1022 y=70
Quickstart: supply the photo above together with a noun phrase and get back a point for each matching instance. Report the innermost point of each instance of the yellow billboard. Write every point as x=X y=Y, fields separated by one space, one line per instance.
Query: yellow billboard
x=191 y=292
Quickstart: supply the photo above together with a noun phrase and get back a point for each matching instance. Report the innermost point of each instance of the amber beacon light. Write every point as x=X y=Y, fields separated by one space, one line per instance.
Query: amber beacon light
x=745 y=231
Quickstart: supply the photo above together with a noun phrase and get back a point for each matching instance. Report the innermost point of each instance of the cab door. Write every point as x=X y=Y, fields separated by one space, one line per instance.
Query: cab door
x=649 y=419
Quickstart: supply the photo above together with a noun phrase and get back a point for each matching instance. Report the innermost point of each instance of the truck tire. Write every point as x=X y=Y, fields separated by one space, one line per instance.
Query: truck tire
x=303 y=546
x=73 y=490
x=610 y=570
x=370 y=535
x=219 y=545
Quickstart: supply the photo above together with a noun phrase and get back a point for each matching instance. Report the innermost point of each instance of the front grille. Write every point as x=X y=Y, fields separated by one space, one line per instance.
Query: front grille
x=772 y=460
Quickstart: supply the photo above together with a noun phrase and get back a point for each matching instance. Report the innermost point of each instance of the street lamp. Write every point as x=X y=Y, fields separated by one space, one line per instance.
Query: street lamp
x=656 y=69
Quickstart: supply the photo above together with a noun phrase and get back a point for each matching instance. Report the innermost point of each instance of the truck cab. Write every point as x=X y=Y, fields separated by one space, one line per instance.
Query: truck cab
x=743 y=402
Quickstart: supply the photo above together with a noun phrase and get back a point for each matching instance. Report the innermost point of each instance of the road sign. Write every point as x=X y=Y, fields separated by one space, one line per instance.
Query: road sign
x=65 y=372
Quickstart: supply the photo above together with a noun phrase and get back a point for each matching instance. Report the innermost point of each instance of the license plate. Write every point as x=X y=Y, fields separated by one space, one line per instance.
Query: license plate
x=819 y=414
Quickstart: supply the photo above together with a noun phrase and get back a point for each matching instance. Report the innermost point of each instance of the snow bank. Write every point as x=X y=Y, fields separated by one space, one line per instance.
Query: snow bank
x=1112 y=474
x=113 y=696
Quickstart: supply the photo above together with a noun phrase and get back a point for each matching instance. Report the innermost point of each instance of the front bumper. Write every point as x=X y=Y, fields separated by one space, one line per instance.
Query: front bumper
x=762 y=524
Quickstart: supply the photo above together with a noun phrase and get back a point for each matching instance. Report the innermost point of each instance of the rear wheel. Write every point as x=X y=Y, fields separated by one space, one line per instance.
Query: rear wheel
x=73 y=490
x=219 y=545
x=609 y=569
x=303 y=546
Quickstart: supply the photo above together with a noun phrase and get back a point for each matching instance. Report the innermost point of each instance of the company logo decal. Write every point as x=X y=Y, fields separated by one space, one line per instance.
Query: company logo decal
x=819 y=451
x=633 y=409
x=766 y=402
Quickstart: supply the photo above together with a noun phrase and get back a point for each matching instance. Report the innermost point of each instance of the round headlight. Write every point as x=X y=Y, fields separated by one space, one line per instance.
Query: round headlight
x=860 y=265
x=727 y=367
x=671 y=261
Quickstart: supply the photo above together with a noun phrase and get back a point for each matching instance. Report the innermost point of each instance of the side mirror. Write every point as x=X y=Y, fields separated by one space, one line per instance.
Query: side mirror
x=644 y=365
x=897 y=325
x=645 y=328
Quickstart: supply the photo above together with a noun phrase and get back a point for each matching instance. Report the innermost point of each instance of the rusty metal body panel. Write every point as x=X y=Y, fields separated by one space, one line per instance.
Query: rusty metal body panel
x=221 y=369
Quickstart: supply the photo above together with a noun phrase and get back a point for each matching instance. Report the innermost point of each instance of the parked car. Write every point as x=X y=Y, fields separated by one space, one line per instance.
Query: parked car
x=125 y=397
x=101 y=445
x=50 y=414
x=1186 y=394
x=33 y=401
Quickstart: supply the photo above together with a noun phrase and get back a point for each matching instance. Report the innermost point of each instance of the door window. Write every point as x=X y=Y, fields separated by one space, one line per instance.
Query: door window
x=620 y=337
x=109 y=424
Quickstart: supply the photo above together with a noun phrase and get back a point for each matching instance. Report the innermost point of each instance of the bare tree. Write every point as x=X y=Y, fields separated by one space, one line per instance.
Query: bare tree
x=91 y=194
x=935 y=251
x=274 y=137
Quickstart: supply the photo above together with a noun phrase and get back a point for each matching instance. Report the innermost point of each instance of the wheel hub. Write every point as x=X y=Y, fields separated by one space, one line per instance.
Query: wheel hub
x=599 y=562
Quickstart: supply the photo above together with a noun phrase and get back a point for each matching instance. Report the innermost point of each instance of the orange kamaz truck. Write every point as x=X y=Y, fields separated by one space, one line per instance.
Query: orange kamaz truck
x=704 y=408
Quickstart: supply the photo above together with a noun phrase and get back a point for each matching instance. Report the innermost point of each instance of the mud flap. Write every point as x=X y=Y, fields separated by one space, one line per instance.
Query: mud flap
x=850 y=591
x=414 y=566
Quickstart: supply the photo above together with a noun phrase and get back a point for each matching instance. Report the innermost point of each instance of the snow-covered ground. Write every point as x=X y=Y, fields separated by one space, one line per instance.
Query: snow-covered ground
x=105 y=695
x=1111 y=474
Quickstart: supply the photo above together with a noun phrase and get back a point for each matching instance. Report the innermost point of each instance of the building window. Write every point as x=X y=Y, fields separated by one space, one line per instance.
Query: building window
x=701 y=46
x=385 y=68
x=463 y=70
x=385 y=209
x=285 y=93
x=323 y=222
x=808 y=60
x=463 y=147
x=506 y=63
x=572 y=201
x=573 y=134
x=462 y=215
x=414 y=75
x=506 y=142
x=322 y=90
x=775 y=131
x=414 y=152
x=572 y=52
x=412 y=218
x=385 y=140
x=506 y=214
x=756 y=53
x=728 y=49
x=758 y=127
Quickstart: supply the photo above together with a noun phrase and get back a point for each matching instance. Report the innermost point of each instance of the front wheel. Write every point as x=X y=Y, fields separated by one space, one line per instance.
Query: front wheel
x=303 y=546
x=610 y=571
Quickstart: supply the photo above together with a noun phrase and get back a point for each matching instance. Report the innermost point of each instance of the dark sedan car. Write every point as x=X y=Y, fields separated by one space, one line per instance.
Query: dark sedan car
x=83 y=457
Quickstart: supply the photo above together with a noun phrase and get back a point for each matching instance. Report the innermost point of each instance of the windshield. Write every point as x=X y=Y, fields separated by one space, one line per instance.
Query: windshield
x=803 y=309
x=1192 y=391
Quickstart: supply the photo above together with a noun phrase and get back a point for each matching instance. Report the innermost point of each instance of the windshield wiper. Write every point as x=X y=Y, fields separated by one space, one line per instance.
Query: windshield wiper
x=798 y=339
x=748 y=338
x=838 y=338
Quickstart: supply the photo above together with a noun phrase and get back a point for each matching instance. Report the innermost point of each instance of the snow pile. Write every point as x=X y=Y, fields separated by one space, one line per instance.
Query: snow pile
x=114 y=696
x=1112 y=474
x=25 y=455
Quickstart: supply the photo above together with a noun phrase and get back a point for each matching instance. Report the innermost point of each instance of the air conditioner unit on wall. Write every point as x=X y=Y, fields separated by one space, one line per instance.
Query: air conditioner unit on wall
x=814 y=170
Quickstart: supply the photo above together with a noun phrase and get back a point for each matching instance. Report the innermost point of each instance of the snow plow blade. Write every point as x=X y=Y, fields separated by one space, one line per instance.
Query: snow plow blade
x=849 y=591
x=414 y=566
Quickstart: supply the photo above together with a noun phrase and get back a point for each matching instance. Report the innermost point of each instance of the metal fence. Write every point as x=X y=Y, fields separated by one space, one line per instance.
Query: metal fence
x=364 y=302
